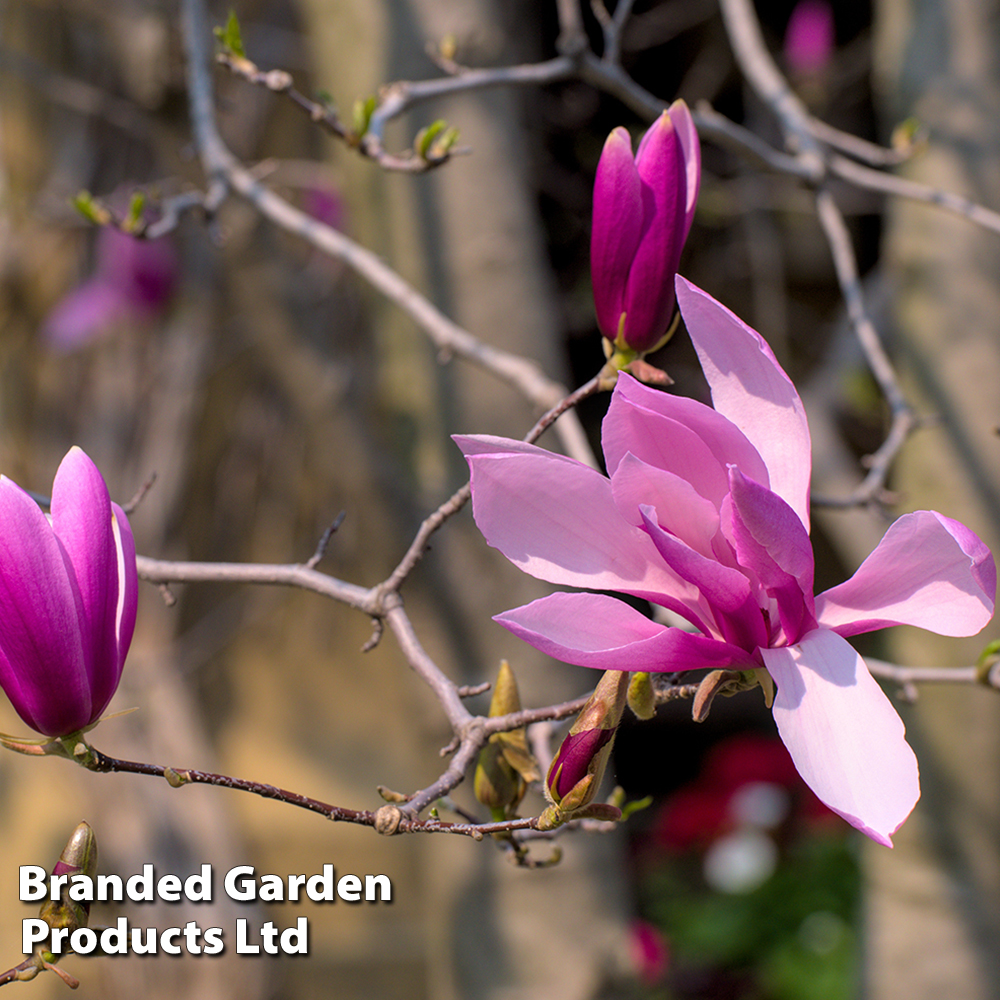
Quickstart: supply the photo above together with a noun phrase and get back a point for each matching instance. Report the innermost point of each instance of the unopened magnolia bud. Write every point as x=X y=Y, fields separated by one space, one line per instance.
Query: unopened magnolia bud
x=496 y=784
x=578 y=766
x=505 y=766
x=79 y=857
x=641 y=696
x=506 y=698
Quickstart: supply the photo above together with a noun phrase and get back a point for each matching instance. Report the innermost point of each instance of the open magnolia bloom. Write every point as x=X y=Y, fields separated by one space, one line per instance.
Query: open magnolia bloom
x=68 y=593
x=706 y=513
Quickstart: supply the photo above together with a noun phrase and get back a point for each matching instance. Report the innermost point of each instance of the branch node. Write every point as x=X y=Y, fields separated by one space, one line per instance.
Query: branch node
x=387 y=820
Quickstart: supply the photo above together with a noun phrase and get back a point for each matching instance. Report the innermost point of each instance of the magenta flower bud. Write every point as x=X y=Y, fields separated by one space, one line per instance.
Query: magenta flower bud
x=643 y=207
x=572 y=763
x=68 y=593
x=578 y=766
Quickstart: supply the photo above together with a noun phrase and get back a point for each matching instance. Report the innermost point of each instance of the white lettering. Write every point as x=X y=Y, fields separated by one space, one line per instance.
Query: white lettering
x=214 y=945
x=349 y=888
x=33 y=929
x=31 y=883
x=140 y=887
x=385 y=888
x=319 y=888
x=168 y=888
x=198 y=888
x=244 y=891
x=242 y=947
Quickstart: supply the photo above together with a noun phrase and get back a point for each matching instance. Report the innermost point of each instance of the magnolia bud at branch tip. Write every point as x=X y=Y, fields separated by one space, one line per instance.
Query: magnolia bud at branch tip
x=79 y=857
x=578 y=766
x=643 y=209
x=505 y=766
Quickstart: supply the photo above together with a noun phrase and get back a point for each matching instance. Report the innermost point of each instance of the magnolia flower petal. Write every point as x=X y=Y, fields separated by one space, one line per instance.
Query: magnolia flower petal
x=928 y=571
x=734 y=606
x=749 y=387
x=593 y=630
x=649 y=292
x=673 y=433
x=664 y=443
x=687 y=135
x=490 y=444
x=680 y=508
x=43 y=667
x=557 y=520
x=843 y=734
x=771 y=541
x=617 y=228
x=84 y=524
x=106 y=682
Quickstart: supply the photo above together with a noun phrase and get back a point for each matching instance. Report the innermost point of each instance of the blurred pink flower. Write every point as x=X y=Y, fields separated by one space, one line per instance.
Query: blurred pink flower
x=701 y=811
x=650 y=951
x=706 y=513
x=134 y=280
x=810 y=37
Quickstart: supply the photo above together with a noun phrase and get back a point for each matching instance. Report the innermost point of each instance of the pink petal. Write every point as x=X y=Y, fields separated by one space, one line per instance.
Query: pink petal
x=772 y=543
x=649 y=294
x=556 y=519
x=144 y=271
x=680 y=509
x=662 y=441
x=125 y=609
x=490 y=444
x=734 y=606
x=843 y=734
x=749 y=387
x=83 y=522
x=687 y=135
x=928 y=571
x=43 y=660
x=593 y=630
x=617 y=227
x=680 y=435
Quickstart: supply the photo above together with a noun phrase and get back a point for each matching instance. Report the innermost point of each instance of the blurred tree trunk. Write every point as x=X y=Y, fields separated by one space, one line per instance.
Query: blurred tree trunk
x=467 y=235
x=934 y=918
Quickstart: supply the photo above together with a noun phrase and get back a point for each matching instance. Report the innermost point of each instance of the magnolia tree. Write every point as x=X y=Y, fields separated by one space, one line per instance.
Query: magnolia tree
x=686 y=541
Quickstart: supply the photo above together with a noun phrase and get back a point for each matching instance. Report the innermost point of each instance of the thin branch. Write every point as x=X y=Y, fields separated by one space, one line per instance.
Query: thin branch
x=368 y=144
x=177 y=777
x=402 y=95
x=773 y=89
x=286 y=575
x=461 y=496
x=875 y=180
x=324 y=541
x=446 y=335
x=935 y=675
x=861 y=149
x=572 y=38
x=903 y=419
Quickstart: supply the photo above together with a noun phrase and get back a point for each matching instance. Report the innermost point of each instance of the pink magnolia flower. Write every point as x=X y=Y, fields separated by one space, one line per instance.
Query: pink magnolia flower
x=68 y=592
x=643 y=207
x=706 y=514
